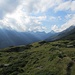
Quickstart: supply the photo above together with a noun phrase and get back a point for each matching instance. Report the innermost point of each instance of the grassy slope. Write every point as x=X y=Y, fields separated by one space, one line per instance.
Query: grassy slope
x=50 y=58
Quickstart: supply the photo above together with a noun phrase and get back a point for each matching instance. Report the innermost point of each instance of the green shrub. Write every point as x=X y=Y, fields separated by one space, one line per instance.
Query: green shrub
x=28 y=46
x=45 y=72
x=42 y=42
x=53 y=49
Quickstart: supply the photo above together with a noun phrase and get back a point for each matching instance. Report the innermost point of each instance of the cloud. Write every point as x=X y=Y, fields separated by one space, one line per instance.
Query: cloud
x=73 y=6
x=67 y=24
x=8 y=6
x=21 y=21
x=66 y=5
x=55 y=28
x=68 y=16
x=24 y=15
x=18 y=16
x=37 y=6
x=53 y=18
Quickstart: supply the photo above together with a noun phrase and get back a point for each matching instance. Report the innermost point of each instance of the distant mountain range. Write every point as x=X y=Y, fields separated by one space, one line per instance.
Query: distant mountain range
x=14 y=38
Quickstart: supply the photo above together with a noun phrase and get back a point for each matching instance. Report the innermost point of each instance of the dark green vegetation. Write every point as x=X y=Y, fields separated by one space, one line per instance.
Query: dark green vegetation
x=41 y=58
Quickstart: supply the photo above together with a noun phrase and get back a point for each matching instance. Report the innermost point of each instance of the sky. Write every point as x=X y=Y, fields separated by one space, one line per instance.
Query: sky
x=37 y=15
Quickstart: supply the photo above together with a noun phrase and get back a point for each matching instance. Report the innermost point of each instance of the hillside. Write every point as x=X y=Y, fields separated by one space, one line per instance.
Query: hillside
x=14 y=38
x=68 y=34
x=40 y=58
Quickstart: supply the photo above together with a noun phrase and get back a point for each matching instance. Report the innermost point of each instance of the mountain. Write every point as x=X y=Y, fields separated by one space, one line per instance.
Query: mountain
x=43 y=35
x=66 y=34
x=70 y=34
x=50 y=34
x=40 y=58
x=40 y=35
x=14 y=38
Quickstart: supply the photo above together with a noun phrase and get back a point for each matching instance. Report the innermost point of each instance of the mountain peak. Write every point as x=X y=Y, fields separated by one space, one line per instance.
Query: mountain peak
x=52 y=31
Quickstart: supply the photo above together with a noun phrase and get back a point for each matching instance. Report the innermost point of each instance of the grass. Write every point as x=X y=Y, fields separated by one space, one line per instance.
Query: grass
x=40 y=58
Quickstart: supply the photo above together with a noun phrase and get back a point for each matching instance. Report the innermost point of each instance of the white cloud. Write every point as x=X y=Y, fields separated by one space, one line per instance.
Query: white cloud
x=68 y=16
x=55 y=28
x=73 y=6
x=23 y=15
x=21 y=18
x=59 y=18
x=21 y=21
x=68 y=5
x=52 y=18
x=8 y=6
x=37 y=6
x=70 y=22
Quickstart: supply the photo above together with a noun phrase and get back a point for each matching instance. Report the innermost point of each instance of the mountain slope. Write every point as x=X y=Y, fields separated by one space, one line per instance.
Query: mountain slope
x=41 y=58
x=66 y=34
x=70 y=34
x=14 y=38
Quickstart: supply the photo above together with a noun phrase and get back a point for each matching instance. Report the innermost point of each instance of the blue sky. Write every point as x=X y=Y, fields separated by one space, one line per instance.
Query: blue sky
x=37 y=15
